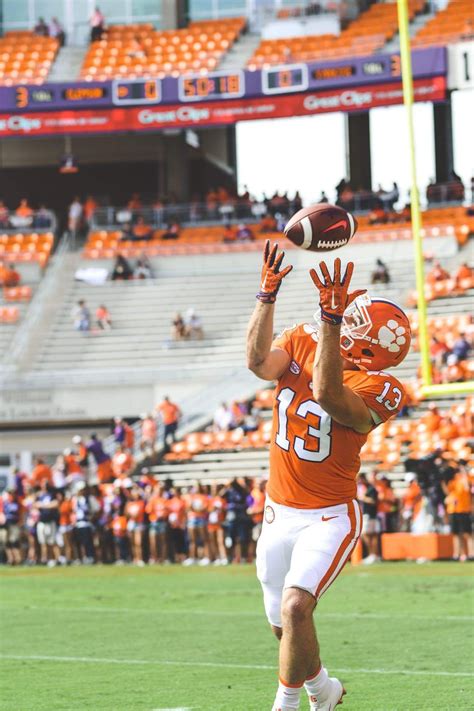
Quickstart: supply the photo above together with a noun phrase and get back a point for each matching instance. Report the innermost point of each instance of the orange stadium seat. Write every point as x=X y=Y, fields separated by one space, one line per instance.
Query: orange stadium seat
x=17 y=293
x=9 y=314
x=368 y=33
x=26 y=247
x=452 y=24
x=26 y=58
x=140 y=51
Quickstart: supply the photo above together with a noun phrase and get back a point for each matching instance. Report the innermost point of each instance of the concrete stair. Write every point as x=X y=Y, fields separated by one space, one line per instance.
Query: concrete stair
x=68 y=64
x=238 y=56
x=418 y=23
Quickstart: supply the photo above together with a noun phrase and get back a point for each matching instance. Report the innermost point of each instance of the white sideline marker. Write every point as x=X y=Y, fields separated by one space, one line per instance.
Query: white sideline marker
x=221 y=665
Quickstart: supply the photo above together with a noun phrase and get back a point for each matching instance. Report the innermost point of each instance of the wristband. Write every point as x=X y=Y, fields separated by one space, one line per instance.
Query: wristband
x=266 y=298
x=333 y=319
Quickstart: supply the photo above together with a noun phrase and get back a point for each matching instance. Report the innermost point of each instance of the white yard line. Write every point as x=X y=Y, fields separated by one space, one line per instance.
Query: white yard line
x=241 y=613
x=219 y=665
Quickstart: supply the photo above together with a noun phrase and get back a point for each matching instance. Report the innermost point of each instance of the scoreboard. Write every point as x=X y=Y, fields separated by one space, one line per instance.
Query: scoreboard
x=220 y=85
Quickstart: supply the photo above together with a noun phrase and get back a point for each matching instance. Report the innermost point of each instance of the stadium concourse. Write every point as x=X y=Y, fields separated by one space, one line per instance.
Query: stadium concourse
x=146 y=498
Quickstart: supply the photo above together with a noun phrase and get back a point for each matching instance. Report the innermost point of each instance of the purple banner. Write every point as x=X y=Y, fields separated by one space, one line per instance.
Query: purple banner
x=218 y=86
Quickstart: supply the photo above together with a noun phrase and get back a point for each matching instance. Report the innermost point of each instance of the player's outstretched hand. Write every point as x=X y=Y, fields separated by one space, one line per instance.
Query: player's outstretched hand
x=334 y=297
x=271 y=274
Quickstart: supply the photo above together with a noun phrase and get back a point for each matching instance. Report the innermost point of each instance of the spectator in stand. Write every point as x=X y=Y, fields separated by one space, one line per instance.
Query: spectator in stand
x=212 y=203
x=323 y=197
x=215 y=532
x=438 y=351
x=244 y=234
x=178 y=328
x=143 y=268
x=103 y=318
x=230 y=234
x=256 y=507
x=97 y=25
x=135 y=203
x=122 y=269
x=459 y=500
x=56 y=30
x=81 y=316
x=47 y=528
x=75 y=216
x=24 y=209
x=193 y=325
x=4 y=216
x=464 y=272
x=177 y=526
x=431 y=419
x=411 y=501
x=135 y=49
x=380 y=275
x=8 y=275
x=297 y=203
x=89 y=207
x=170 y=416
x=141 y=232
x=41 y=472
x=223 y=418
x=41 y=28
x=437 y=273
x=268 y=223
x=122 y=462
x=119 y=430
x=148 y=431
x=102 y=460
x=42 y=218
x=454 y=372
x=81 y=452
x=378 y=216
x=157 y=510
x=367 y=495
x=461 y=347
x=171 y=232
x=197 y=526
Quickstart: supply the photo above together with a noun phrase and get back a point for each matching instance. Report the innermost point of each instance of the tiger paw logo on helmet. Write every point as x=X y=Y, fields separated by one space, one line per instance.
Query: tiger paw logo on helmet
x=392 y=336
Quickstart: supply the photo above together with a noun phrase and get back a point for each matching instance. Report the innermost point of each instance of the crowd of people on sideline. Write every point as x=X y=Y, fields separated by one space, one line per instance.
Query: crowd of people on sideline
x=25 y=216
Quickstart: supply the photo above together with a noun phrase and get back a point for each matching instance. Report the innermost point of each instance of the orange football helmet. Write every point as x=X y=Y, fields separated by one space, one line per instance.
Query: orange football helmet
x=375 y=333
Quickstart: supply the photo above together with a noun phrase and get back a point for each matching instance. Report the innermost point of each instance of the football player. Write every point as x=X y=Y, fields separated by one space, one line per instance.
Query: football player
x=331 y=392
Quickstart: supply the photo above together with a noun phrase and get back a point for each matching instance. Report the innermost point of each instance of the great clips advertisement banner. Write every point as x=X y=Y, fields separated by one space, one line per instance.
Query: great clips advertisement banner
x=215 y=113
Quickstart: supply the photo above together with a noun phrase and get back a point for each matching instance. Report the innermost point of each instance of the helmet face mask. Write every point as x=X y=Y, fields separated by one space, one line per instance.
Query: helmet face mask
x=375 y=334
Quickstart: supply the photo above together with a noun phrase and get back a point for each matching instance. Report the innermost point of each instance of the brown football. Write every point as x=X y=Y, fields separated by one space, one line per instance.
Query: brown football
x=321 y=228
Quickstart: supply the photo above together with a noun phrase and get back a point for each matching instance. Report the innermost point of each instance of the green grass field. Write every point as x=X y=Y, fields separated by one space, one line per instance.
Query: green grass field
x=400 y=636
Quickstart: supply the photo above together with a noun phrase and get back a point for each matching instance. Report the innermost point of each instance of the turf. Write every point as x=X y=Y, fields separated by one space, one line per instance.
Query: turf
x=108 y=638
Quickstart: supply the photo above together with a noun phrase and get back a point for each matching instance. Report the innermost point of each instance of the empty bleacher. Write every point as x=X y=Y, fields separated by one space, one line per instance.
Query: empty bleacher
x=367 y=34
x=452 y=24
x=140 y=51
x=26 y=58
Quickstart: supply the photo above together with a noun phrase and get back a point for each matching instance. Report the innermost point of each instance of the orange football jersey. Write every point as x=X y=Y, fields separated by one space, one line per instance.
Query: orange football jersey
x=314 y=461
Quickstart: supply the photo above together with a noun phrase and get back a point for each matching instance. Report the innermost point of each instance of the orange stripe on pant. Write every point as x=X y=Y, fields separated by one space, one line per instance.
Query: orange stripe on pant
x=346 y=543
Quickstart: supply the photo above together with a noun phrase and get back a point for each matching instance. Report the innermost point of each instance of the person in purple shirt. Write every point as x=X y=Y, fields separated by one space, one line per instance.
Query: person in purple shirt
x=101 y=458
x=119 y=430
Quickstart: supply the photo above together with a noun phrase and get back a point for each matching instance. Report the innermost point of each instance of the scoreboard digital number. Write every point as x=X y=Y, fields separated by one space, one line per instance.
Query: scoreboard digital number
x=333 y=73
x=25 y=96
x=136 y=91
x=218 y=85
x=285 y=78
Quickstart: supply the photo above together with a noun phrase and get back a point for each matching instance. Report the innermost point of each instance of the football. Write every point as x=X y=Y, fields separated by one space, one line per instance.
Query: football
x=321 y=227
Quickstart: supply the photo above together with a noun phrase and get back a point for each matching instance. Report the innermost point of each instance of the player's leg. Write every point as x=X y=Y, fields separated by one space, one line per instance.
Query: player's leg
x=319 y=554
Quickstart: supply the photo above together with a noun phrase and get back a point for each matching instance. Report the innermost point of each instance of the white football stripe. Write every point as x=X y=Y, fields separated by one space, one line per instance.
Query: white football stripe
x=352 y=224
x=307 y=232
x=348 y=550
x=220 y=665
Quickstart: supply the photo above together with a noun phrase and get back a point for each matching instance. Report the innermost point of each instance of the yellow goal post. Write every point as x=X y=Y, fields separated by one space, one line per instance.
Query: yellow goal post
x=428 y=389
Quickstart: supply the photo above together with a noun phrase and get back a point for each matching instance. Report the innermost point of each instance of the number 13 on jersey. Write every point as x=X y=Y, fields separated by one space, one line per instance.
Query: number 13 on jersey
x=319 y=436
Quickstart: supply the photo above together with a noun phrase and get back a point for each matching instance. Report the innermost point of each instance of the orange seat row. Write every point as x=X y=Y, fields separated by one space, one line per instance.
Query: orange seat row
x=17 y=293
x=143 y=51
x=451 y=24
x=9 y=314
x=26 y=57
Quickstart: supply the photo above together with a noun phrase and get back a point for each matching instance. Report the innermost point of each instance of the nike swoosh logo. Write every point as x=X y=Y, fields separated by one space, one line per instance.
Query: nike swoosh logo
x=341 y=223
x=328 y=518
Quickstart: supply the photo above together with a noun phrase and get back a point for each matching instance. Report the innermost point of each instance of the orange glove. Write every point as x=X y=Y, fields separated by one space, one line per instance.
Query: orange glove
x=271 y=274
x=333 y=296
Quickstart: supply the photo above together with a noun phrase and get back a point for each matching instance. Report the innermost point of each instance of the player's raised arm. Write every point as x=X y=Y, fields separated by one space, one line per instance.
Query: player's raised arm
x=261 y=359
x=339 y=401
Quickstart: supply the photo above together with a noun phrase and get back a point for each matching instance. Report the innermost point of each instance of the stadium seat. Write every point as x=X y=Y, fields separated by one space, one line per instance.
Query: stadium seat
x=26 y=58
